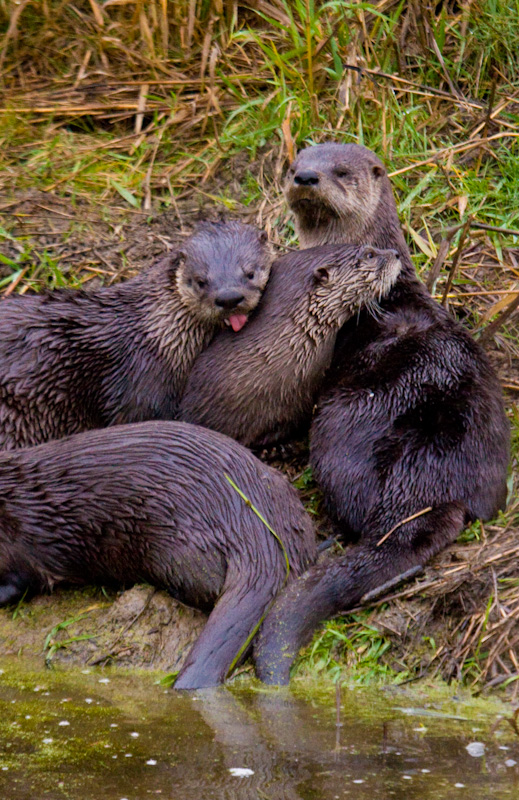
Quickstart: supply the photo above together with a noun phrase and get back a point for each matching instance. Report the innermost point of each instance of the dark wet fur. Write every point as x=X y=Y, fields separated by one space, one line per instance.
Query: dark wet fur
x=411 y=416
x=259 y=386
x=150 y=502
x=73 y=361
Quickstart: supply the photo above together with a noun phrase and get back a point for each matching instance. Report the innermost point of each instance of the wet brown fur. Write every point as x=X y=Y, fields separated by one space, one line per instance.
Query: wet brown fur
x=259 y=385
x=72 y=361
x=150 y=502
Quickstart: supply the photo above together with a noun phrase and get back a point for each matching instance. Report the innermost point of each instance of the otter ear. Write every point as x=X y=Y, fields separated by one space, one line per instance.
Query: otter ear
x=263 y=237
x=321 y=274
x=177 y=260
x=378 y=171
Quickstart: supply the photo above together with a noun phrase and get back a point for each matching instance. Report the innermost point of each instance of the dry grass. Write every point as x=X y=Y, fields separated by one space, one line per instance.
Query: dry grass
x=468 y=604
x=121 y=122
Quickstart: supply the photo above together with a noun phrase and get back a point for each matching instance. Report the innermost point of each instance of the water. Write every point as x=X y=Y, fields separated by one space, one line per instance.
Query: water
x=104 y=734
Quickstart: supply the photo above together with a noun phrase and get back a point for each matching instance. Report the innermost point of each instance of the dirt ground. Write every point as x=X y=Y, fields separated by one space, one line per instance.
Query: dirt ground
x=141 y=627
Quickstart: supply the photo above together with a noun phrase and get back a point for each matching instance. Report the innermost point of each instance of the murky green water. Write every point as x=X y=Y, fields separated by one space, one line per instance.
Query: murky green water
x=113 y=736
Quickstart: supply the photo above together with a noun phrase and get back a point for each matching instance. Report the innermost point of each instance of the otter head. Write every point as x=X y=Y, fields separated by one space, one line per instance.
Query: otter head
x=352 y=278
x=334 y=191
x=222 y=270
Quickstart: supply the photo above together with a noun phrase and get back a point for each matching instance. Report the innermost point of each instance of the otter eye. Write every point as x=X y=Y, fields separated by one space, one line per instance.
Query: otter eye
x=342 y=172
x=201 y=283
x=249 y=275
x=370 y=255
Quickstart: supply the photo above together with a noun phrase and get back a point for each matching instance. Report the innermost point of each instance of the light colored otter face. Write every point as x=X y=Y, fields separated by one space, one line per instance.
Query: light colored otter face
x=356 y=277
x=222 y=271
x=334 y=191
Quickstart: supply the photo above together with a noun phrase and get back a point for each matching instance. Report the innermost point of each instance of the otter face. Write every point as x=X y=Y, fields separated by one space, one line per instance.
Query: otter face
x=222 y=271
x=353 y=278
x=334 y=190
x=377 y=271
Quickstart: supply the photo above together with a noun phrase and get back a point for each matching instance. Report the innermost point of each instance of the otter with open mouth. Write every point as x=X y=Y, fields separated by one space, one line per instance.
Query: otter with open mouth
x=260 y=386
x=72 y=360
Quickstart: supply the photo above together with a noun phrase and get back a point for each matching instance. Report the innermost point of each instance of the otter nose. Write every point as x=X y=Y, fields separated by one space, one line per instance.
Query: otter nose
x=306 y=177
x=228 y=298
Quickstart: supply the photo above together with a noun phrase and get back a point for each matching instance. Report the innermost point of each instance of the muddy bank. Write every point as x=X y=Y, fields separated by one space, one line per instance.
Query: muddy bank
x=141 y=627
x=456 y=621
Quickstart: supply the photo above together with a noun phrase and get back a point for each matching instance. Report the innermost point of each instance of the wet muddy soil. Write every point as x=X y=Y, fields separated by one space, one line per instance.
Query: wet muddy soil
x=141 y=627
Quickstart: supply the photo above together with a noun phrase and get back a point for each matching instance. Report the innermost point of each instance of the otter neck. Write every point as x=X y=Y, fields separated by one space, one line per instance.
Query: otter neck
x=315 y=327
x=170 y=328
x=177 y=334
x=382 y=230
x=331 y=231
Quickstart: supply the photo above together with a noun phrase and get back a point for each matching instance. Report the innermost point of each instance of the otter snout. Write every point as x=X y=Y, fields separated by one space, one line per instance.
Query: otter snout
x=368 y=253
x=393 y=257
x=306 y=177
x=390 y=266
x=228 y=298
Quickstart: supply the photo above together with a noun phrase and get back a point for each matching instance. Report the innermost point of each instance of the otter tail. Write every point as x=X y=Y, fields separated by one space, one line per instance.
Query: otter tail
x=232 y=621
x=344 y=582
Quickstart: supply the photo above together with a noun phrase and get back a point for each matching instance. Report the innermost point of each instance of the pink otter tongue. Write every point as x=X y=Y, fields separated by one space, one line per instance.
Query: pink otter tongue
x=237 y=322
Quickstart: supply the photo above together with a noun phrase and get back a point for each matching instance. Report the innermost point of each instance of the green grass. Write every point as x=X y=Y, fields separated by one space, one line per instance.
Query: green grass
x=301 y=63
x=353 y=651
x=53 y=644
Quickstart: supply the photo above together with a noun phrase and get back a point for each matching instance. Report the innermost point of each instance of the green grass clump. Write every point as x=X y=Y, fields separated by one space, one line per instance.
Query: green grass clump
x=351 y=650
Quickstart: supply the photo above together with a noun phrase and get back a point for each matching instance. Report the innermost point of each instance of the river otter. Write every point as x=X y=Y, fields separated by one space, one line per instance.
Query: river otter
x=259 y=386
x=151 y=502
x=72 y=361
x=411 y=421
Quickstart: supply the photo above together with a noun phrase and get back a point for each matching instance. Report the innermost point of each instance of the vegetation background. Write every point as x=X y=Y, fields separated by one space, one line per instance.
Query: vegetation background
x=122 y=122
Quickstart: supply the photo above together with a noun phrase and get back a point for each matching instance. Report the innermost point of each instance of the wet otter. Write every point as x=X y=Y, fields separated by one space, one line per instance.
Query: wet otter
x=72 y=361
x=150 y=502
x=410 y=423
x=340 y=193
x=260 y=385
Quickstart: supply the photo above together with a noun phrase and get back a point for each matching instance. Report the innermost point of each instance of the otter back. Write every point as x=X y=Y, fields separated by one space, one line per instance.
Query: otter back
x=260 y=385
x=151 y=502
x=71 y=361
